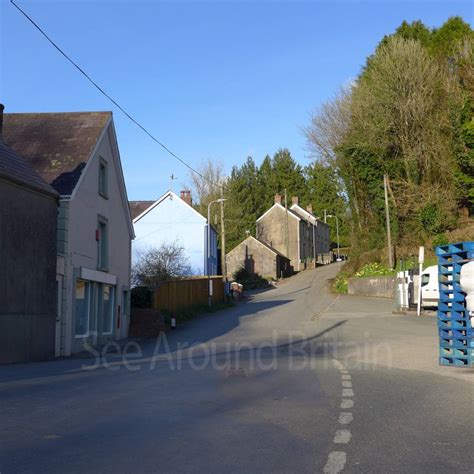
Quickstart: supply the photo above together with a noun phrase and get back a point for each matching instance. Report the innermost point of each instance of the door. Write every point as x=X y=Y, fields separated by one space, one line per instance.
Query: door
x=59 y=310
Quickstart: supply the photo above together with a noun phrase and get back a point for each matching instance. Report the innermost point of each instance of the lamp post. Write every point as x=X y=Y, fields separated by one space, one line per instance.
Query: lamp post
x=337 y=233
x=209 y=246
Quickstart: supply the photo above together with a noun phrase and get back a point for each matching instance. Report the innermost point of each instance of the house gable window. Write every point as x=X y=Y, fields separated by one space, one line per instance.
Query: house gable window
x=82 y=313
x=102 y=244
x=103 y=178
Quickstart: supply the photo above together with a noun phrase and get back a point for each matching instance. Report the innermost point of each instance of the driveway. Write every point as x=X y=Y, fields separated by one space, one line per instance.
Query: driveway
x=295 y=380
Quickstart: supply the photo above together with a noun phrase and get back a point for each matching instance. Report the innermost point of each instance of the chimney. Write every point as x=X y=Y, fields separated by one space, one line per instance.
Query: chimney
x=1 y=117
x=294 y=200
x=309 y=208
x=277 y=198
x=186 y=197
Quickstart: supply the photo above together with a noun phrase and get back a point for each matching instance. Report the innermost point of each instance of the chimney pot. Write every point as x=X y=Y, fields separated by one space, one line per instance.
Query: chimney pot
x=277 y=198
x=186 y=197
x=294 y=200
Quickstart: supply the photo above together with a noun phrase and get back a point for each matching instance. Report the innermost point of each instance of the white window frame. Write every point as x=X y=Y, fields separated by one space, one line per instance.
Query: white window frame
x=112 y=308
x=88 y=292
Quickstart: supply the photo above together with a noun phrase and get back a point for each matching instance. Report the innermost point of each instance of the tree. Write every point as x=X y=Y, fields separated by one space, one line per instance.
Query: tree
x=167 y=262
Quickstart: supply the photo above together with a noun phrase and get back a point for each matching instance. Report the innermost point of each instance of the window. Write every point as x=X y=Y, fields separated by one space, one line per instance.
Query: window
x=107 y=308
x=103 y=257
x=425 y=279
x=83 y=295
x=103 y=178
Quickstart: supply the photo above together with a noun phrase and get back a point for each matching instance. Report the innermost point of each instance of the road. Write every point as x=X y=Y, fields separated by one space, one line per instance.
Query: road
x=295 y=380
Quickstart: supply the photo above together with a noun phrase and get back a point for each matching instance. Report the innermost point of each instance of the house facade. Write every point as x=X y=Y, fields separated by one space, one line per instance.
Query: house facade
x=171 y=219
x=78 y=155
x=294 y=232
x=28 y=220
x=257 y=258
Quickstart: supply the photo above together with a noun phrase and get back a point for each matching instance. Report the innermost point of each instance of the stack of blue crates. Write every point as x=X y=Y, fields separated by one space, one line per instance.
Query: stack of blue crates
x=456 y=336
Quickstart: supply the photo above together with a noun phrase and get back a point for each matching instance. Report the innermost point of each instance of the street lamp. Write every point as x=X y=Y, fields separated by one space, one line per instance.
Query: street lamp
x=337 y=234
x=209 y=245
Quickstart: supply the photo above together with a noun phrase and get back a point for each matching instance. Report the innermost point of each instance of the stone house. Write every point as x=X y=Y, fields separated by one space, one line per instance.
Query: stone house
x=294 y=232
x=77 y=154
x=257 y=258
x=28 y=220
x=172 y=219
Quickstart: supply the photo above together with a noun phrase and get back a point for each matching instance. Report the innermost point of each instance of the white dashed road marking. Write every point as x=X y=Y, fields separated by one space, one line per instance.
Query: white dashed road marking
x=337 y=459
x=336 y=462
x=342 y=436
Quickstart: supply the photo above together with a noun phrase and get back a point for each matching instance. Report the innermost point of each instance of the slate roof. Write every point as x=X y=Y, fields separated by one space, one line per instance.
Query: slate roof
x=269 y=247
x=56 y=145
x=137 y=207
x=17 y=170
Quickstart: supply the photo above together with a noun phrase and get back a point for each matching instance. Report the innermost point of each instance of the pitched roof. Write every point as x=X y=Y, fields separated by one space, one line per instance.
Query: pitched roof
x=171 y=195
x=56 y=145
x=303 y=213
x=279 y=206
x=15 y=169
x=137 y=207
x=269 y=247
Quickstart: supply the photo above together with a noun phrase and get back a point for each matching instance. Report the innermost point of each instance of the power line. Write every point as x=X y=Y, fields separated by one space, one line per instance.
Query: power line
x=103 y=92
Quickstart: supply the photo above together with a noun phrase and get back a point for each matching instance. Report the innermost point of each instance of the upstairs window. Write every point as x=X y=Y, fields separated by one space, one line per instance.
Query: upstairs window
x=103 y=191
x=102 y=241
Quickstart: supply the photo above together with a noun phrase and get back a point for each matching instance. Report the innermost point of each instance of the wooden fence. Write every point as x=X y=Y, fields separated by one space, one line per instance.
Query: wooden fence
x=175 y=295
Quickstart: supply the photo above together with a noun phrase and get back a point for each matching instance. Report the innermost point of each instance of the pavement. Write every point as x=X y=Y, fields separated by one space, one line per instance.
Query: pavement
x=295 y=380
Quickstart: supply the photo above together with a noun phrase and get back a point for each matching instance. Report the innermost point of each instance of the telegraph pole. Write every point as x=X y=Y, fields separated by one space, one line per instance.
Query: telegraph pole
x=223 y=263
x=287 y=237
x=387 y=217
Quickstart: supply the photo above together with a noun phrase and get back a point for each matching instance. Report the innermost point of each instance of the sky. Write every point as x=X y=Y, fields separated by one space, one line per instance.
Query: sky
x=218 y=80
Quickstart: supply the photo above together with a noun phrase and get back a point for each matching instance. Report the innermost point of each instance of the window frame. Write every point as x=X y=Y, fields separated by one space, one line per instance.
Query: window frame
x=88 y=293
x=111 y=308
x=101 y=265
x=103 y=178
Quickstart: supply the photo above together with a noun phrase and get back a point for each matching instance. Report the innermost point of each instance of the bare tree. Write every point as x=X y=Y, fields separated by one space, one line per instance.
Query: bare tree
x=166 y=262
x=208 y=186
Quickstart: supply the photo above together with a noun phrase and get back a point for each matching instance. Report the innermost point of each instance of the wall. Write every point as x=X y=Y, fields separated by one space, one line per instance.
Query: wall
x=373 y=286
x=254 y=256
x=174 y=221
x=84 y=209
x=27 y=274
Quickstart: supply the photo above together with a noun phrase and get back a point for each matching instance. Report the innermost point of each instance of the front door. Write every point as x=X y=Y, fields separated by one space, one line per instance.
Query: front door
x=59 y=308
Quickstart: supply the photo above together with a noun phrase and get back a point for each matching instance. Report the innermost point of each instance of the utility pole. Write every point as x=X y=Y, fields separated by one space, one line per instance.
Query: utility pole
x=287 y=232
x=223 y=263
x=387 y=216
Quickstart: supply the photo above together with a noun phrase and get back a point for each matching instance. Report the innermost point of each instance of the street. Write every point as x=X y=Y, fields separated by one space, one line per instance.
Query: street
x=297 y=379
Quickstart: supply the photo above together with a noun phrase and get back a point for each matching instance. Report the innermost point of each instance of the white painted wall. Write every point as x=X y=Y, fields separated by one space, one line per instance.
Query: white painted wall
x=84 y=208
x=174 y=221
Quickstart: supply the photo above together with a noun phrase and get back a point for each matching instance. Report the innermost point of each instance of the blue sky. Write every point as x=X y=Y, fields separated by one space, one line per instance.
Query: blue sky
x=216 y=80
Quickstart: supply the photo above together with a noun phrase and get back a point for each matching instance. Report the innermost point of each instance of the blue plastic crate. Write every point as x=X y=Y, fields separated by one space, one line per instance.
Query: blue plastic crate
x=456 y=333
x=451 y=286
x=452 y=361
x=458 y=353
x=452 y=306
x=447 y=296
x=454 y=324
x=460 y=343
x=453 y=314
x=449 y=268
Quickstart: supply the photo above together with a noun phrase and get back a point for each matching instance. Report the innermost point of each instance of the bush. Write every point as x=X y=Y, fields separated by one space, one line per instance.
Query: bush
x=249 y=281
x=141 y=297
x=374 y=269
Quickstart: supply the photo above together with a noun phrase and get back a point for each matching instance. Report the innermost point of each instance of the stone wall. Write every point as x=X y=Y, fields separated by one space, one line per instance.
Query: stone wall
x=383 y=286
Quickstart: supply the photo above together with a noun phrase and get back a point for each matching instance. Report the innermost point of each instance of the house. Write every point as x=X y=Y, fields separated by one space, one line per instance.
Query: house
x=78 y=155
x=172 y=220
x=28 y=219
x=257 y=257
x=294 y=232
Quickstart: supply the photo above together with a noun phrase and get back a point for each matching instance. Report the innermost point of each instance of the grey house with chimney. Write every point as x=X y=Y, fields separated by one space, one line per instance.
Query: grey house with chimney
x=77 y=154
x=295 y=232
x=28 y=220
